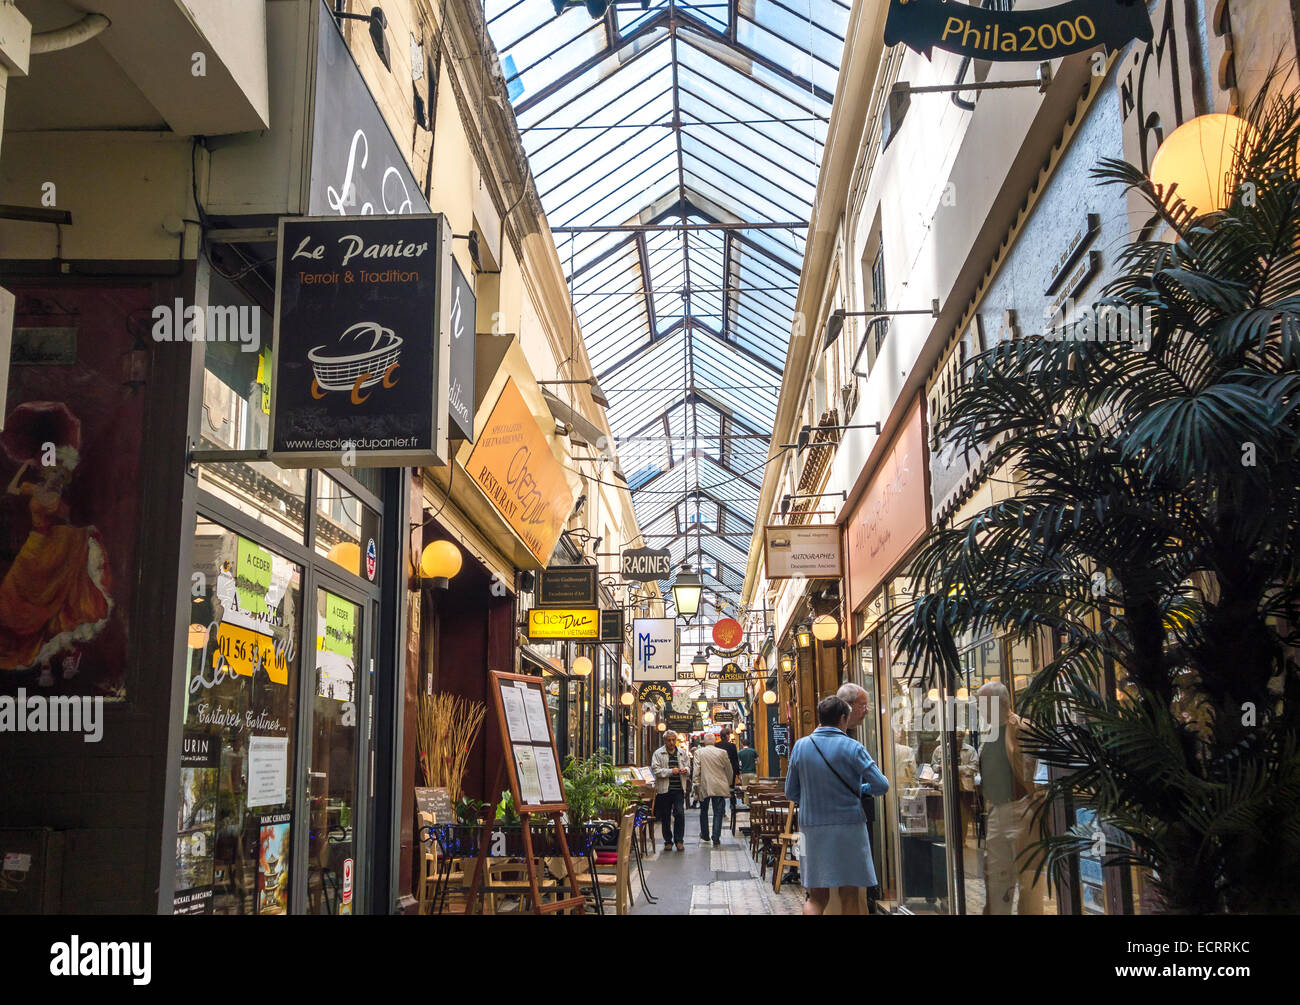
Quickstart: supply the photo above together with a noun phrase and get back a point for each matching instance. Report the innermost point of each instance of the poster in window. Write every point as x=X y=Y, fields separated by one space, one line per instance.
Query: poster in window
x=273 y=864
x=70 y=464
x=196 y=823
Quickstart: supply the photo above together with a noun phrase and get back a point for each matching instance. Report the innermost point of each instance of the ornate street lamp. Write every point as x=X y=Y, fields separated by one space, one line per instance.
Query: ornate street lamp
x=686 y=593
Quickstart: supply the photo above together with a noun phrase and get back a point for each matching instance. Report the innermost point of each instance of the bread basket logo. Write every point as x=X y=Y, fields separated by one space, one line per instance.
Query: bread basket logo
x=364 y=355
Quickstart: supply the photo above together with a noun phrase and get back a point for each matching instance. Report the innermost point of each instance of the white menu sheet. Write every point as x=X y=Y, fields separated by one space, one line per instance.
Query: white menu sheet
x=548 y=776
x=516 y=722
x=530 y=787
x=268 y=770
x=538 y=721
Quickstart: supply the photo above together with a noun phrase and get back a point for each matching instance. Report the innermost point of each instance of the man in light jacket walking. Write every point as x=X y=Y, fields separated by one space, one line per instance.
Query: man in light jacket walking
x=671 y=765
x=713 y=777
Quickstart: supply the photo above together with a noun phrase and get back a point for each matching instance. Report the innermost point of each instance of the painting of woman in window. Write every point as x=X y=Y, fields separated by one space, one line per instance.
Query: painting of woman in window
x=56 y=594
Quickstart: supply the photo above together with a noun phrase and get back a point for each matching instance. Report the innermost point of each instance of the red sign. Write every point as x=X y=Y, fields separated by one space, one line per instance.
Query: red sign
x=347 y=881
x=727 y=633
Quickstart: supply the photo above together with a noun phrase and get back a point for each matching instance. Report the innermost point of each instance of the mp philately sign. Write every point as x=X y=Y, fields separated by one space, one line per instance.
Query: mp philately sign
x=654 y=649
x=358 y=375
x=1016 y=35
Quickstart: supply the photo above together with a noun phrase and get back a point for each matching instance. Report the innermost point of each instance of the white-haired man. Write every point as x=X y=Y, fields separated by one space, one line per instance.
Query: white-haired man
x=859 y=703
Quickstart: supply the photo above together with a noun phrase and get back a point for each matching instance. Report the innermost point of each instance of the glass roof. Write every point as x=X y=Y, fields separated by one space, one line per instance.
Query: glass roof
x=675 y=147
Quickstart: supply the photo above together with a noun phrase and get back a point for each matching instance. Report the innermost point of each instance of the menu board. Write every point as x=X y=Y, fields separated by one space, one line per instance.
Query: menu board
x=531 y=760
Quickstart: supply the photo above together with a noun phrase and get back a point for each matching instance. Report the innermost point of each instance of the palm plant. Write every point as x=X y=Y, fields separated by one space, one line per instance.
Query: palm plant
x=1155 y=536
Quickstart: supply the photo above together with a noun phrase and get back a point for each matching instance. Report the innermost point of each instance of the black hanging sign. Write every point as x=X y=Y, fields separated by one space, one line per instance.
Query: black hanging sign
x=1016 y=35
x=683 y=723
x=611 y=625
x=655 y=689
x=646 y=565
x=567 y=586
x=460 y=372
x=360 y=342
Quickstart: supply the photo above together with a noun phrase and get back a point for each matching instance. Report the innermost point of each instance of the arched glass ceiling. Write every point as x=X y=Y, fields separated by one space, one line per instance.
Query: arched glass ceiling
x=675 y=148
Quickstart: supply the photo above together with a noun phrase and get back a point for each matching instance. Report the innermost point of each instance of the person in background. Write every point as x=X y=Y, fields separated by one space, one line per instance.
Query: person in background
x=671 y=766
x=725 y=742
x=713 y=778
x=829 y=774
x=748 y=758
x=859 y=703
x=690 y=787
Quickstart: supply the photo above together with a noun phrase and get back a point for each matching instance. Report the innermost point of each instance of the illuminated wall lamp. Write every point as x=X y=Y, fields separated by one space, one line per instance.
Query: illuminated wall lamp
x=439 y=563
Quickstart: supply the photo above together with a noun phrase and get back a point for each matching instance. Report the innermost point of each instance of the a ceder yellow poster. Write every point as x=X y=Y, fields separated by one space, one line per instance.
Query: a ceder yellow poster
x=513 y=465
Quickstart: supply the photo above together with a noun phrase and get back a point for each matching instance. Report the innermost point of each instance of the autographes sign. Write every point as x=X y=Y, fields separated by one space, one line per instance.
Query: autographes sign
x=1008 y=36
x=512 y=463
x=357 y=341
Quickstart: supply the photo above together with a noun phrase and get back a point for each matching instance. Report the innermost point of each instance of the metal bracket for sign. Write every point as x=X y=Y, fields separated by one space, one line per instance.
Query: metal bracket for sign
x=1043 y=81
x=210 y=455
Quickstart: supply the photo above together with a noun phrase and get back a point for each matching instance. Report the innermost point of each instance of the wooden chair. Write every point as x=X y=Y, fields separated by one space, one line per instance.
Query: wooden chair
x=785 y=844
x=618 y=874
x=771 y=826
x=507 y=876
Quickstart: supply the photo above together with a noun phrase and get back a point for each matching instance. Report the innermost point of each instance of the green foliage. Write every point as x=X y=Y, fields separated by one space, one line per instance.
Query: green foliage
x=591 y=786
x=1151 y=542
x=505 y=811
x=468 y=810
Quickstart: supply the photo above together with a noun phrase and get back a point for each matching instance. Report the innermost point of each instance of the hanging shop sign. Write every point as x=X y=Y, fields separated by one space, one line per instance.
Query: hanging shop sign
x=810 y=552
x=567 y=586
x=892 y=515
x=656 y=691
x=724 y=716
x=654 y=649
x=357 y=168
x=731 y=683
x=727 y=633
x=513 y=465
x=611 y=625
x=681 y=723
x=360 y=342
x=462 y=320
x=1016 y=35
x=646 y=565
x=557 y=623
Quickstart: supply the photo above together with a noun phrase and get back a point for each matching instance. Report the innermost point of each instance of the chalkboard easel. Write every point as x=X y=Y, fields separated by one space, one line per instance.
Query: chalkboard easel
x=533 y=768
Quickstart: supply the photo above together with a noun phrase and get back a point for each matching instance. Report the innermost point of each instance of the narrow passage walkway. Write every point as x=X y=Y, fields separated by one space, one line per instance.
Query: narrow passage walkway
x=707 y=880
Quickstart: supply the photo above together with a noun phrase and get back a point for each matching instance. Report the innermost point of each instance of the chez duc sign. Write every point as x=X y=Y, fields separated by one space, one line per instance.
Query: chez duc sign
x=358 y=374
x=1013 y=35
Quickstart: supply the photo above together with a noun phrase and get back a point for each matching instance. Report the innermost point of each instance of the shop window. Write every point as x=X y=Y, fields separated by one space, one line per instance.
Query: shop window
x=234 y=826
x=347 y=530
x=236 y=415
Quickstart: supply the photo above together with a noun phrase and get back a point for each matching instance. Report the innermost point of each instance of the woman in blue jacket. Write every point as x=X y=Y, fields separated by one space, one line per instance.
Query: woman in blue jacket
x=829 y=774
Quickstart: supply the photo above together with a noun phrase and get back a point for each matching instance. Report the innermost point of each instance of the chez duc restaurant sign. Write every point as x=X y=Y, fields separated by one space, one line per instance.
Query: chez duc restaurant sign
x=361 y=324
x=1044 y=33
x=558 y=623
x=513 y=465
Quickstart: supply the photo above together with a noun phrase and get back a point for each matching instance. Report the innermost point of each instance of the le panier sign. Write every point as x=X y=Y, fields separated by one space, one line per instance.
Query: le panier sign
x=513 y=465
x=558 y=623
x=1043 y=33
x=359 y=365
x=813 y=552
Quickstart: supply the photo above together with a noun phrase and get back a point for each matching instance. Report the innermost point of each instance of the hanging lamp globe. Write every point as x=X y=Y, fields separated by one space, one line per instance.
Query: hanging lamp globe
x=582 y=666
x=825 y=628
x=1197 y=158
x=439 y=563
x=769 y=697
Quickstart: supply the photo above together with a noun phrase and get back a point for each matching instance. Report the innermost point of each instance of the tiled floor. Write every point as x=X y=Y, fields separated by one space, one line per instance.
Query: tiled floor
x=707 y=880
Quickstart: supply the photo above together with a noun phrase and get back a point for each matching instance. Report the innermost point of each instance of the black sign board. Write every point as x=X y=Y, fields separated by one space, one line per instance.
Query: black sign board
x=436 y=802
x=651 y=690
x=358 y=342
x=646 y=565
x=460 y=368
x=724 y=716
x=731 y=671
x=1016 y=35
x=611 y=625
x=680 y=722
x=781 y=739
x=567 y=586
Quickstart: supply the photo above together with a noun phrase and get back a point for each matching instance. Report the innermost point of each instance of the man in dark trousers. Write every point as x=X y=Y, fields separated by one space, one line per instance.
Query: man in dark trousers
x=671 y=765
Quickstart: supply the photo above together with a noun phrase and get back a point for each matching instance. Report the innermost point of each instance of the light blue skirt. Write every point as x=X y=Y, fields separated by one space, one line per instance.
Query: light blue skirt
x=836 y=855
